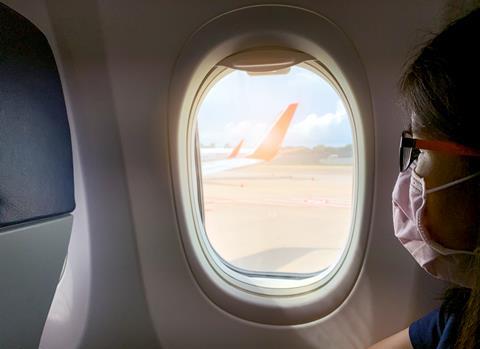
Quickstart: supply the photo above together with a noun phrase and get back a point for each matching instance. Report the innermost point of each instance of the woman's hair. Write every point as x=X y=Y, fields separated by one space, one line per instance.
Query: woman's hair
x=442 y=88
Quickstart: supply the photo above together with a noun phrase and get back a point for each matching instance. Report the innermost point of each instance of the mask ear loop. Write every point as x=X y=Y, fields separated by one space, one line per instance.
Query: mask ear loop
x=451 y=184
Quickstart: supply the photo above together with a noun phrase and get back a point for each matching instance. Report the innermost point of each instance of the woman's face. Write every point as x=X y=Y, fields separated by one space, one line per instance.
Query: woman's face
x=452 y=213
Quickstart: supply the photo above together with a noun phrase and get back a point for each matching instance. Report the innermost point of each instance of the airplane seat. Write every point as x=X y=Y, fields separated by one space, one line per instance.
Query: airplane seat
x=36 y=180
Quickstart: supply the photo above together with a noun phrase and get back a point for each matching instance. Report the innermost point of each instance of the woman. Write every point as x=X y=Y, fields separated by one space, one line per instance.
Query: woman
x=436 y=200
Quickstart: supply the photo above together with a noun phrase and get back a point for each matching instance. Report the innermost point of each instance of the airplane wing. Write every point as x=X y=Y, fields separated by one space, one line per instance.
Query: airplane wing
x=265 y=151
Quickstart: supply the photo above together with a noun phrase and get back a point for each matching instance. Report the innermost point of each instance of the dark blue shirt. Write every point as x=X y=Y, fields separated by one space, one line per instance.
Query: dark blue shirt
x=436 y=330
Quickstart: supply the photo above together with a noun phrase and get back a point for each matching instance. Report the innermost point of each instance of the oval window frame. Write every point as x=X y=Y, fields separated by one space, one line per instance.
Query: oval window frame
x=230 y=33
x=259 y=282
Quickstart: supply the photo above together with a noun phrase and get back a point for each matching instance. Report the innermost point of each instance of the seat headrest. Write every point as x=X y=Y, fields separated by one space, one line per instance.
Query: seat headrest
x=36 y=168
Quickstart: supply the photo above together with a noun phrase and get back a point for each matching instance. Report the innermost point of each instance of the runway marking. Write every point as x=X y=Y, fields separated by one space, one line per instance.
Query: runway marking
x=321 y=202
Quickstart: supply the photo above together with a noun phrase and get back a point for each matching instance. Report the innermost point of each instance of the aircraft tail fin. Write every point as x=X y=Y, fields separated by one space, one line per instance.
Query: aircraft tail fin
x=235 y=151
x=272 y=142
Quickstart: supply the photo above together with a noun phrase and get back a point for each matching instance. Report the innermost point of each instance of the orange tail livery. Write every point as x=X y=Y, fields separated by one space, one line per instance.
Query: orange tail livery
x=265 y=151
x=235 y=151
x=270 y=145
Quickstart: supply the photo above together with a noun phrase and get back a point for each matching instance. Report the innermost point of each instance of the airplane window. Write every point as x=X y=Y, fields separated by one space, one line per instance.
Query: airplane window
x=275 y=169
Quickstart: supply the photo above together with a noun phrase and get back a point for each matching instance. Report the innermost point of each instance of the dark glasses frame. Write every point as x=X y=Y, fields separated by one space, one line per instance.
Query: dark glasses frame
x=410 y=149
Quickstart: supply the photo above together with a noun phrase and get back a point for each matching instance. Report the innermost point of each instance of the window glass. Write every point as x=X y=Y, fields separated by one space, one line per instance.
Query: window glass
x=276 y=165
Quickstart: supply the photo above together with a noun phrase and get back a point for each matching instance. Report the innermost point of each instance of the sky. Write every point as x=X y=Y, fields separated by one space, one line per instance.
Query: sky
x=241 y=106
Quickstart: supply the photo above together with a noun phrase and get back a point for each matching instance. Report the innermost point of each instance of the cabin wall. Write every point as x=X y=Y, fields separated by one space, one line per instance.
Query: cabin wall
x=127 y=282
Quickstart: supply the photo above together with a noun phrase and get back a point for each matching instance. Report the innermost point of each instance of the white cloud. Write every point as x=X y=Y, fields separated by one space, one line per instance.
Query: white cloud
x=243 y=107
x=328 y=129
x=233 y=132
x=247 y=130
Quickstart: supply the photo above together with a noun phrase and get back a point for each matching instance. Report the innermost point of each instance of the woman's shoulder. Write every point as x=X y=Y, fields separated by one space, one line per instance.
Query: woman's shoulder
x=439 y=328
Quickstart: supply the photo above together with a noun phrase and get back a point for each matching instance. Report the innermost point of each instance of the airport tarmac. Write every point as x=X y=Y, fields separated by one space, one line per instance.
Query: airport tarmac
x=279 y=218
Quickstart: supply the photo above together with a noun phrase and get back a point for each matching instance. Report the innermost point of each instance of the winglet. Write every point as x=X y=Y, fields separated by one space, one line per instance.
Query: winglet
x=272 y=142
x=235 y=151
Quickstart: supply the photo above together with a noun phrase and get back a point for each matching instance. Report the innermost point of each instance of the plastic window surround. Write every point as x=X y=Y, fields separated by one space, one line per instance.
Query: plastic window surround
x=278 y=284
x=238 y=30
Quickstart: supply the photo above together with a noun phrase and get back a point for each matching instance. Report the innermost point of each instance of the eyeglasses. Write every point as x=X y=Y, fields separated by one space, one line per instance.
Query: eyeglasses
x=410 y=149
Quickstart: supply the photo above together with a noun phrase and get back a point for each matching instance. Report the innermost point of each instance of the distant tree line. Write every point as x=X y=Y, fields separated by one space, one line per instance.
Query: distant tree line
x=342 y=152
x=321 y=151
x=210 y=145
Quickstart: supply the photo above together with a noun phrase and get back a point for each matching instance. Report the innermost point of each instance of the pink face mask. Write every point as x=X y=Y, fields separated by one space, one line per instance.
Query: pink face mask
x=409 y=199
